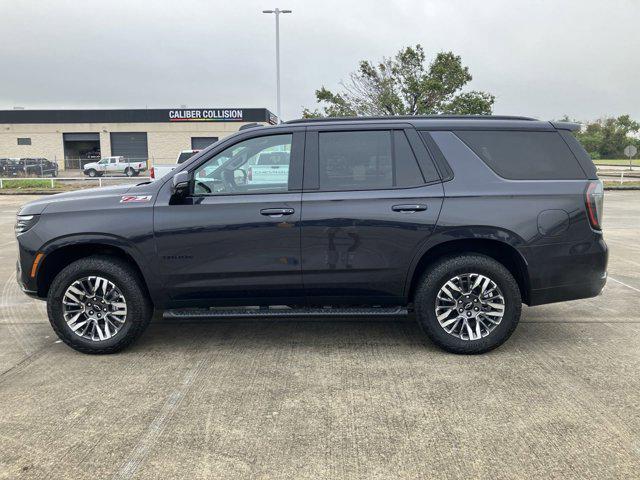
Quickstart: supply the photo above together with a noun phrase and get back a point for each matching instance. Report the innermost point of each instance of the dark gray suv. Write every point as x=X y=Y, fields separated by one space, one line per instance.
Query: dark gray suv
x=460 y=219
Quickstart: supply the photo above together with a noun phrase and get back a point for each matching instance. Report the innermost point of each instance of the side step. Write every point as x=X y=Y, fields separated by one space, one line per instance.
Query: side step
x=282 y=311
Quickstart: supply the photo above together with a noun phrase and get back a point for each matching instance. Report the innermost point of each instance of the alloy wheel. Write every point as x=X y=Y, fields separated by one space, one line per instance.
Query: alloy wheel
x=469 y=306
x=94 y=308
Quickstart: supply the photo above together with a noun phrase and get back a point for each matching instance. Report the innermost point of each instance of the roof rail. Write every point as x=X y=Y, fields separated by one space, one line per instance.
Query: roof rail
x=412 y=117
x=250 y=125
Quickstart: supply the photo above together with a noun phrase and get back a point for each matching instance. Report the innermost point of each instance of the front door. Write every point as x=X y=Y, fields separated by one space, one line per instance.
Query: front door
x=234 y=241
x=367 y=207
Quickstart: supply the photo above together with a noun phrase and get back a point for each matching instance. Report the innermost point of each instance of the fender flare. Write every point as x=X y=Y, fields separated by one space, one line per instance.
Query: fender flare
x=481 y=234
x=114 y=241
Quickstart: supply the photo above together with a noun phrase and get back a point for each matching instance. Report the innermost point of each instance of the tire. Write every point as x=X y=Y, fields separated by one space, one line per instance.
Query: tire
x=126 y=281
x=466 y=269
x=129 y=172
x=92 y=173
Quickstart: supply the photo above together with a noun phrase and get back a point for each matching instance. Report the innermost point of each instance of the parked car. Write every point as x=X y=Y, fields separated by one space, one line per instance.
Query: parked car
x=159 y=171
x=9 y=167
x=458 y=219
x=38 y=167
x=113 y=166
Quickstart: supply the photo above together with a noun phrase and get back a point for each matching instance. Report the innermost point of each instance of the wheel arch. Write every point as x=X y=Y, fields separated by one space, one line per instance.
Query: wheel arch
x=61 y=254
x=500 y=251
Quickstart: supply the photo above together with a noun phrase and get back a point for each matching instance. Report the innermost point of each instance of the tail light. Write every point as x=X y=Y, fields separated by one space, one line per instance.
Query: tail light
x=152 y=173
x=250 y=174
x=594 y=201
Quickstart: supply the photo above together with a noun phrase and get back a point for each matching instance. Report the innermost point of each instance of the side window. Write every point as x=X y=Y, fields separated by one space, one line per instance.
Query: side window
x=518 y=155
x=408 y=173
x=366 y=160
x=257 y=165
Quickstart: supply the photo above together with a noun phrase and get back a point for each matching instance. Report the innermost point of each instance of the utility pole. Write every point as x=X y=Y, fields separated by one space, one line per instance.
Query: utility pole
x=277 y=13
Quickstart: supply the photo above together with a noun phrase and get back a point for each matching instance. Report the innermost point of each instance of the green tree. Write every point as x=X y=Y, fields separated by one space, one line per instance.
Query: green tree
x=405 y=85
x=607 y=137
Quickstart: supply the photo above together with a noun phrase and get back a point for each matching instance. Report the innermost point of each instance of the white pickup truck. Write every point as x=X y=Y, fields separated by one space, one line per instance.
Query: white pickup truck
x=269 y=167
x=114 y=165
x=159 y=171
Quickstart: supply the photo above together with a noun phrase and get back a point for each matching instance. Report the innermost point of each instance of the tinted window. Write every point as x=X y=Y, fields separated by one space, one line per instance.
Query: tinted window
x=364 y=161
x=24 y=141
x=524 y=155
x=406 y=166
x=236 y=169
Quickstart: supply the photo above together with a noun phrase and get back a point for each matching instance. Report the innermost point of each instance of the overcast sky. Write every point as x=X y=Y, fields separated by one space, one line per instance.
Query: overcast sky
x=542 y=58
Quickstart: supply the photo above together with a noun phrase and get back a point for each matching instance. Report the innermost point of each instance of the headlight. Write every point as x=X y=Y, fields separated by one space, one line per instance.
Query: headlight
x=25 y=222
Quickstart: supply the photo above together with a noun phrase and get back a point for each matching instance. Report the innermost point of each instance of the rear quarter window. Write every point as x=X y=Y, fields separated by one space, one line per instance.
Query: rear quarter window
x=519 y=155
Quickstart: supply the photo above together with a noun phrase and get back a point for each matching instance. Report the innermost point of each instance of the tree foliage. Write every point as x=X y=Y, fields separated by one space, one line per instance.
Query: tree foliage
x=405 y=85
x=607 y=137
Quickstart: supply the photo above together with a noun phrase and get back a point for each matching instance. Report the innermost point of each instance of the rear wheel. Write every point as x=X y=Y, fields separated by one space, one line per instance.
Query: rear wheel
x=468 y=304
x=129 y=172
x=98 y=304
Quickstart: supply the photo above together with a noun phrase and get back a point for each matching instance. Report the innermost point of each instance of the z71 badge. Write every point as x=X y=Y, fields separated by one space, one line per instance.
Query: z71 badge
x=135 y=198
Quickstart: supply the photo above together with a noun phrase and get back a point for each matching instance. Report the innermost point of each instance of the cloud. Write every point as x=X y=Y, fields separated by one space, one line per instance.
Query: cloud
x=543 y=58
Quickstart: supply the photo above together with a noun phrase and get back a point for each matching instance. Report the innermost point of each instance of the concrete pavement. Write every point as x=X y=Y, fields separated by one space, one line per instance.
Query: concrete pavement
x=355 y=399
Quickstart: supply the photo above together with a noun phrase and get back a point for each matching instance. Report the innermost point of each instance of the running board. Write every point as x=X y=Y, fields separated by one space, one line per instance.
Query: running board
x=284 y=312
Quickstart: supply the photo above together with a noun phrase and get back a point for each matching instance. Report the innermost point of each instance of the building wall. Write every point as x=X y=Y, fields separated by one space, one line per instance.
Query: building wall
x=165 y=140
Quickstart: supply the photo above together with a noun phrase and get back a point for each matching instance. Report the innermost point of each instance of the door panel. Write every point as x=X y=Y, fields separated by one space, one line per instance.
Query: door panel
x=356 y=246
x=222 y=249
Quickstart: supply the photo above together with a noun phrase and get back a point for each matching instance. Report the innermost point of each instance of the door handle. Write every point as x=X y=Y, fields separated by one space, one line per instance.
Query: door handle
x=411 y=208
x=277 y=212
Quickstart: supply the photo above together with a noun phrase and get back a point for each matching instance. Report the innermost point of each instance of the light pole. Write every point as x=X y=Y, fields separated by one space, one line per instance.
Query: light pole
x=277 y=11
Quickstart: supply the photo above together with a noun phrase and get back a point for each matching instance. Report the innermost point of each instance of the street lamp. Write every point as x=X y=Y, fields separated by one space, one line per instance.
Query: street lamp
x=277 y=11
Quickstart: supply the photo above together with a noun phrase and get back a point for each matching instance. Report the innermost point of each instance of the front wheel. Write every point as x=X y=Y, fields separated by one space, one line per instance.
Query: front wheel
x=98 y=304
x=468 y=304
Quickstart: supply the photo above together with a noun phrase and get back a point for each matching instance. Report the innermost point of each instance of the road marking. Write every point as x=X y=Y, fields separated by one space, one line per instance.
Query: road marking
x=8 y=243
x=622 y=283
x=159 y=423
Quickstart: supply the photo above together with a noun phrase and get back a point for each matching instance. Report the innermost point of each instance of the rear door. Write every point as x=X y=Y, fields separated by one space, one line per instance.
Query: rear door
x=371 y=197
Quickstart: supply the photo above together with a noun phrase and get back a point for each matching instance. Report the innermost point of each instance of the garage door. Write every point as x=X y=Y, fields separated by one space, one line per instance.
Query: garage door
x=132 y=145
x=200 y=143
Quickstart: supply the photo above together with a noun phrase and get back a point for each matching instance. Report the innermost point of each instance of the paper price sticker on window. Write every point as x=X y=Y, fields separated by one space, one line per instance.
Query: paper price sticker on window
x=135 y=198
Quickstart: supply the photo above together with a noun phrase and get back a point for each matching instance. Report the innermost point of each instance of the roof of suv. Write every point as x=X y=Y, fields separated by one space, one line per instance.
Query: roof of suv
x=448 y=122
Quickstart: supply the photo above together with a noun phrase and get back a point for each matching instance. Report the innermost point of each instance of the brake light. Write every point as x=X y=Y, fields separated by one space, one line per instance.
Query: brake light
x=250 y=174
x=594 y=202
x=152 y=173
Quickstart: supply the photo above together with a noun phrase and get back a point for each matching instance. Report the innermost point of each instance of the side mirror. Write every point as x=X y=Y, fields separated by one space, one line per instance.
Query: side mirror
x=180 y=183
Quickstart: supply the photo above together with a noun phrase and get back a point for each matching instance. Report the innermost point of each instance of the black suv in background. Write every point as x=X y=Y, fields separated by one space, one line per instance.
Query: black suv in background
x=460 y=219
x=28 y=167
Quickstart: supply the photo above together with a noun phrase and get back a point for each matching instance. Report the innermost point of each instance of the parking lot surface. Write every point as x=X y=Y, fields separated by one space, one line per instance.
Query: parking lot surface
x=334 y=399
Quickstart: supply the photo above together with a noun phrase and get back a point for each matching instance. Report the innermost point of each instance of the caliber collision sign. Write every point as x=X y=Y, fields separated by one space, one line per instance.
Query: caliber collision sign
x=207 y=115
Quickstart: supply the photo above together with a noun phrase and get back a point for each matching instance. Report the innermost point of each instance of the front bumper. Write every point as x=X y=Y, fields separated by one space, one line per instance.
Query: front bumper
x=28 y=287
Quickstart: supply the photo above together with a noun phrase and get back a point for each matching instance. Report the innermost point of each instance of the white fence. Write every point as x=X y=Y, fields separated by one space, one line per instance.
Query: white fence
x=85 y=181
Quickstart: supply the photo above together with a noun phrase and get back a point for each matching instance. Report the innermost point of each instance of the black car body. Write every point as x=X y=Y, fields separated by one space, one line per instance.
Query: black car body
x=28 y=167
x=370 y=208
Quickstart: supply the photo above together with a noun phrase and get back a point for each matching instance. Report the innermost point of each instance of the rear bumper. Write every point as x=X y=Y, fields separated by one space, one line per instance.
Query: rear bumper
x=567 y=271
x=564 y=293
